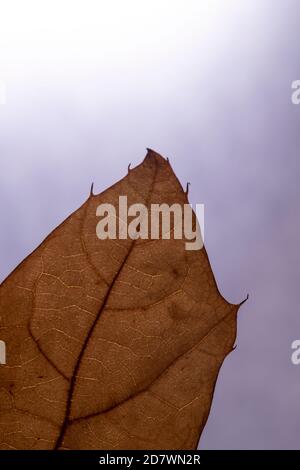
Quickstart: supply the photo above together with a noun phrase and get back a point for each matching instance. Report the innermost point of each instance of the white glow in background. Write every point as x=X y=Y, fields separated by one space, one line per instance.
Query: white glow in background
x=128 y=66
x=126 y=44
x=101 y=34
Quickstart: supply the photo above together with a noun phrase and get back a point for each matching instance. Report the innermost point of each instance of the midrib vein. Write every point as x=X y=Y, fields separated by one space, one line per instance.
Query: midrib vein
x=90 y=333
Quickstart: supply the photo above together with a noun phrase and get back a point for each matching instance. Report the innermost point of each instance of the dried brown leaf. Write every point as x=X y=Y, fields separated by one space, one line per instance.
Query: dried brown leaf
x=112 y=344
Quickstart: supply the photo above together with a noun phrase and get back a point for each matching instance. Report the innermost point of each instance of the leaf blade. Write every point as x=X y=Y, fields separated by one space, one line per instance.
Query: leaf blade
x=103 y=336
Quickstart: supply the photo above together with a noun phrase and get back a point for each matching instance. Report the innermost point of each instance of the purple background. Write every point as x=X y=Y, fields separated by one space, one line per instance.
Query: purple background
x=207 y=84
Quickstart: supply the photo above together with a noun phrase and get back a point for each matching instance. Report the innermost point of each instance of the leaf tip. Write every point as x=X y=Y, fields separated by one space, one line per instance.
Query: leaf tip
x=154 y=156
x=245 y=300
x=187 y=188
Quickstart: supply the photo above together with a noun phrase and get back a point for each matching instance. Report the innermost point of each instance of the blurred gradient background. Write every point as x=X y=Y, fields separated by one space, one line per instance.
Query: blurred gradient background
x=91 y=84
